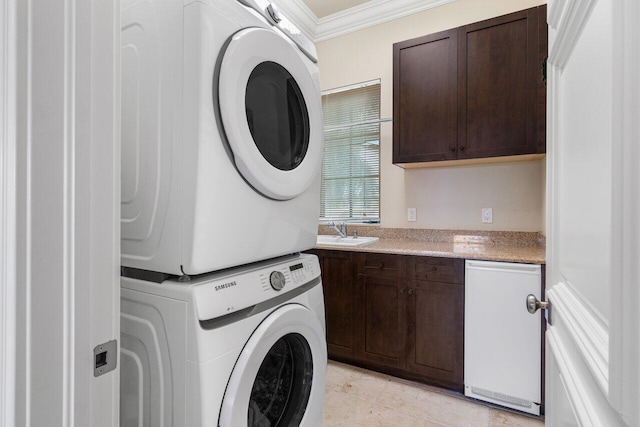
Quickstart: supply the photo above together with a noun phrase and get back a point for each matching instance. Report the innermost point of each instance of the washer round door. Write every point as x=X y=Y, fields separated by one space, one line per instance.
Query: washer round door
x=279 y=378
x=269 y=99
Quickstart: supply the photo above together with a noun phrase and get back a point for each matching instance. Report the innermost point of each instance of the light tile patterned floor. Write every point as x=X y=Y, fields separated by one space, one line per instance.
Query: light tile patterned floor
x=357 y=397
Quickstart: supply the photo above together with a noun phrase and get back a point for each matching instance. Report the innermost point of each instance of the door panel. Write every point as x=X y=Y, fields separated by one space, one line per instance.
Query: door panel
x=274 y=126
x=383 y=314
x=592 y=338
x=497 y=86
x=425 y=98
x=436 y=325
x=280 y=372
x=67 y=163
x=340 y=301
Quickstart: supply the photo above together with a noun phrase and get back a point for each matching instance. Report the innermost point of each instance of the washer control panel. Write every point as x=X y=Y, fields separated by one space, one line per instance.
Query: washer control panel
x=234 y=290
x=290 y=275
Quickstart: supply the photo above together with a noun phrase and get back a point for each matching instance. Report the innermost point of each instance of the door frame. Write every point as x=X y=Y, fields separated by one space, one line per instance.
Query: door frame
x=624 y=391
x=7 y=211
x=59 y=218
x=609 y=354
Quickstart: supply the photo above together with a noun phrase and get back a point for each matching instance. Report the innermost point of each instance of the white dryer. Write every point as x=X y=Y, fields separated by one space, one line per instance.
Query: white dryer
x=221 y=135
x=243 y=347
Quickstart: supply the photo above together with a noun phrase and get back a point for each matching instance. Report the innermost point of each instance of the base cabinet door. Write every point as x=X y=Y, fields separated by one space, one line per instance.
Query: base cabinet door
x=340 y=299
x=382 y=320
x=435 y=342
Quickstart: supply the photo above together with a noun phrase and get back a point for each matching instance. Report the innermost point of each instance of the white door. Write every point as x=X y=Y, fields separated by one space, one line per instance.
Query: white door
x=593 y=221
x=60 y=193
x=279 y=378
x=269 y=100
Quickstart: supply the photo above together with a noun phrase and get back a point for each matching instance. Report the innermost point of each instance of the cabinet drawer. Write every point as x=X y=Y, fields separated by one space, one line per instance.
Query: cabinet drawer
x=433 y=269
x=386 y=265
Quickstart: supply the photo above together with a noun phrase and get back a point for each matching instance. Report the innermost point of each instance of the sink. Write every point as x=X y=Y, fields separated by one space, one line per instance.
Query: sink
x=345 y=241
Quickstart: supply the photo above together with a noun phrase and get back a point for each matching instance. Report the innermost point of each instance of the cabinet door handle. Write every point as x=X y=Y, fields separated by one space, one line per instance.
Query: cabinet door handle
x=410 y=291
x=402 y=290
x=452 y=149
x=380 y=265
x=462 y=148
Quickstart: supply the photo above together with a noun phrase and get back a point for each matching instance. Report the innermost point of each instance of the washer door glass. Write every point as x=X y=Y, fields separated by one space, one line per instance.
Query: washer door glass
x=269 y=102
x=279 y=377
x=277 y=116
x=282 y=387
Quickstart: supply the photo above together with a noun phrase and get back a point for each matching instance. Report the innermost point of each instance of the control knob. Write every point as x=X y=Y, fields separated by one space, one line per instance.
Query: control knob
x=277 y=280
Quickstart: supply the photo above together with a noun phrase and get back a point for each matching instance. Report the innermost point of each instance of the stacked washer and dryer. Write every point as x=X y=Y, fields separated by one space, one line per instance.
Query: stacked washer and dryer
x=222 y=318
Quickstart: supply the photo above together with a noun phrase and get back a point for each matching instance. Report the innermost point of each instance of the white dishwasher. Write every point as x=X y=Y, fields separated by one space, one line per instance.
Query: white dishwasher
x=502 y=340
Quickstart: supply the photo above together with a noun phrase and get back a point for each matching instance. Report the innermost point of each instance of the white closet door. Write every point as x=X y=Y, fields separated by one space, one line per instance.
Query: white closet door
x=65 y=255
x=593 y=339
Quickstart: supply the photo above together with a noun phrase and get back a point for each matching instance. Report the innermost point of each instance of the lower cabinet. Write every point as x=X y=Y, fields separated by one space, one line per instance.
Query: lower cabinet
x=382 y=308
x=435 y=332
x=340 y=301
x=401 y=315
x=435 y=311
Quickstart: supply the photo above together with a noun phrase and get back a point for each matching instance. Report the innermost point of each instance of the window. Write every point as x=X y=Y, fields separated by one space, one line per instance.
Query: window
x=351 y=162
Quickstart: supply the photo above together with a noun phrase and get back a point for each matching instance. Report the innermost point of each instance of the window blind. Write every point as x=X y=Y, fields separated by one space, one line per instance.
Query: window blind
x=351 y=162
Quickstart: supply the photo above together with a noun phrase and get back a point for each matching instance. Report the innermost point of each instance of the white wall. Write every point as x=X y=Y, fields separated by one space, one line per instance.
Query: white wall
x=446 y=197
x=453 y=197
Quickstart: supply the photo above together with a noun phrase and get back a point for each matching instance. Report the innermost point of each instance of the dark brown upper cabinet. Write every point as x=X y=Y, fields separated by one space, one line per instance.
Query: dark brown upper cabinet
x=425 y=98
x=472 y=92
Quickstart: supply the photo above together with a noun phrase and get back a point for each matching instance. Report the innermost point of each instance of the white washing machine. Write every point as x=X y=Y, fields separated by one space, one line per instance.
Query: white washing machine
x=242 y=347
x=221 y=135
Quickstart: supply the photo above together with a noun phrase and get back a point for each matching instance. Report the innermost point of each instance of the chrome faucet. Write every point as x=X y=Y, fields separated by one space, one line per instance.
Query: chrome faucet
x=342 y=231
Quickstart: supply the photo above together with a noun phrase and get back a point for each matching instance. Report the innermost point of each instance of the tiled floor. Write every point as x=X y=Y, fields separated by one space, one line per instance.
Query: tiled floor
x=357 y=397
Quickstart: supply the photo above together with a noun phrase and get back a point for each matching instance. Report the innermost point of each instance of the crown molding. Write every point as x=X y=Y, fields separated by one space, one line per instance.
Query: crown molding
x=353 y=19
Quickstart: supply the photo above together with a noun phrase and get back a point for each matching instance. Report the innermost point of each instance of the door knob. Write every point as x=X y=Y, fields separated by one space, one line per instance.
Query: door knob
x=534 y=304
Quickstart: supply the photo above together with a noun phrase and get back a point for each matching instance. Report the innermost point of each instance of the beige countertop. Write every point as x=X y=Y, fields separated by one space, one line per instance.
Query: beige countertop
x=489 y=246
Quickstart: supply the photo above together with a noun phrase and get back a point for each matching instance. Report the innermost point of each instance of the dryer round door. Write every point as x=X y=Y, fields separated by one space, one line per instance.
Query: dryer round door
x=279 y=378
x=269 y=99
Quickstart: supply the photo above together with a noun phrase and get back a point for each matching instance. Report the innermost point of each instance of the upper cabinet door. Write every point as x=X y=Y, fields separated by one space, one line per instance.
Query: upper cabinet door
x=499 y=74
x=425 y=98
x=471 y=92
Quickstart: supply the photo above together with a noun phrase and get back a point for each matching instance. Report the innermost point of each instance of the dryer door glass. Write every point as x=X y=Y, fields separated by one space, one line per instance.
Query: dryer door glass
x=282 y=386
x=277 y=116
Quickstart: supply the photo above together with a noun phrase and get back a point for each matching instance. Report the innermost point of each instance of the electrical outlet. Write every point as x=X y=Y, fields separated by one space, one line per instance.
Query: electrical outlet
x=487 y=215
x=411 y=214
